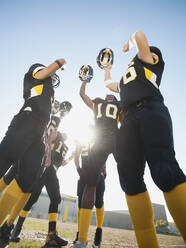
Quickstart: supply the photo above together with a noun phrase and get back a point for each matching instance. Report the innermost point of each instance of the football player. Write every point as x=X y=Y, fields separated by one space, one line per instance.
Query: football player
x=50 y=181
x=56 y=157
x=146 y=136
x=83 y=151
x=22 y=143
x=106 y=113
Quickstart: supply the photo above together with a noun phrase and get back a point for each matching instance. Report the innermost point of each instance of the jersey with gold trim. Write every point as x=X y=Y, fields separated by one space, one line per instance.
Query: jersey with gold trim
x=53 y=124
x=106 y=115
x=59 y=151
x=38 y=94
x=141 y=81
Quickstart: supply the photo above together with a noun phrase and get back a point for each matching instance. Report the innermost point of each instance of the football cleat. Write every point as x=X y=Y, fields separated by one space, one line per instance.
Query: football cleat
x=5 y=232
x=79 y=244
x=76 y=239
x=105 y=58
x=15 y=234
x=53 y=240
x=97 y=238
x=86 y=73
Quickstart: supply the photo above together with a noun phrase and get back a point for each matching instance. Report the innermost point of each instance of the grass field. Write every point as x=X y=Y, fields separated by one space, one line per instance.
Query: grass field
x=35 y=230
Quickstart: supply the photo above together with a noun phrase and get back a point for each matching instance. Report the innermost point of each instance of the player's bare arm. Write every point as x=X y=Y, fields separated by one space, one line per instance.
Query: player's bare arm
x=139 y=40
x=85 y=98
x=77 y=154
x=44 y=73
x=108 y=80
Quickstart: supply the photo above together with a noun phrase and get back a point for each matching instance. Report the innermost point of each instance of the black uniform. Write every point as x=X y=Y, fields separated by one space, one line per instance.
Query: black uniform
x=22 y=143
x=106 y=125
x=146 y=131
x=100 y=186
x=49 y=178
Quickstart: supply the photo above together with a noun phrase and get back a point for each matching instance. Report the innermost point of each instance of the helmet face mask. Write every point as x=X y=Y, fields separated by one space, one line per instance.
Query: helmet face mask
x=110 y=98
x=105 y=58
x=55 y=80
x=86 y=73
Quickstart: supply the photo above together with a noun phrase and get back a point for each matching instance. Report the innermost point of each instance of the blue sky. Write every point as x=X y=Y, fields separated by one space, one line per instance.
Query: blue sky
x=44 y=30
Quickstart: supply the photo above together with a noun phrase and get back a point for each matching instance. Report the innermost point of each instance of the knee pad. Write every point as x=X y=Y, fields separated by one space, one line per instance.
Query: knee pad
x=167 y=177
x=99 y=203
x=132 y=186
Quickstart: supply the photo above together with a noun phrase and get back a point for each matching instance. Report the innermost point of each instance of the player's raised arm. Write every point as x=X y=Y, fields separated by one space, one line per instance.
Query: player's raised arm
x=47 y=71
x=139 y=40
x=108 y=80
x=85 y=98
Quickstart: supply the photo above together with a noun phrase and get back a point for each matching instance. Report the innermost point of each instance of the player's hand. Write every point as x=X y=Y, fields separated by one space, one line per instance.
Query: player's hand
x=108 y=68
x=125 y=48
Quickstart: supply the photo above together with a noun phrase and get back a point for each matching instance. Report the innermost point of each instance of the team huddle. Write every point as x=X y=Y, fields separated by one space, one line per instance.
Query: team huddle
x=136 y=129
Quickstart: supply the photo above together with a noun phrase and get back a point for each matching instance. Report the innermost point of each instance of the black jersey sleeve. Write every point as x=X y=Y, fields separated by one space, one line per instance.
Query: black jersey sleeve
x=34 y=69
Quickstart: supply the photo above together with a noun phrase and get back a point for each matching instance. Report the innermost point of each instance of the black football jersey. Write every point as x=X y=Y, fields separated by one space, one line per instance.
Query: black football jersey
x=140 y=81
x=85 y=149
x=59 y=151
x=53 y=124
x=106 y=115
x=38 y=94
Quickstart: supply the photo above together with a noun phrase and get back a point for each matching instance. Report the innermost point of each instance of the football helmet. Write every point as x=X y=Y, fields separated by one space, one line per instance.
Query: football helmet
x=105 y=58
x=86 y=73
x=65 y=107
x=110 y=98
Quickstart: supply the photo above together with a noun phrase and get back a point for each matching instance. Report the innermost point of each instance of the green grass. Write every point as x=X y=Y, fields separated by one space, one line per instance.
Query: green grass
x=40 y=225
x=26 y=244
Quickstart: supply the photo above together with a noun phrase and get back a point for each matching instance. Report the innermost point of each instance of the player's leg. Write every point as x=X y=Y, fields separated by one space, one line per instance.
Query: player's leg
x=22 y=185
x=99 y=204
x=97 y=158
x=165 y=171
x=25 y=211
x=52 y=187
x=8 y=177
x=80 y=189
x=131 y=164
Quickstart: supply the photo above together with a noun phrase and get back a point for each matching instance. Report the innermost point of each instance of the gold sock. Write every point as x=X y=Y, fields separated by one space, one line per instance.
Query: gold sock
x=9 y=199
x=176 y=203
x=141 y=213
x=78 y=218
x=85 y=219
x=17 y=208
x=23 y=213
x=2 y=184
x=99 y=216
x=52 y=217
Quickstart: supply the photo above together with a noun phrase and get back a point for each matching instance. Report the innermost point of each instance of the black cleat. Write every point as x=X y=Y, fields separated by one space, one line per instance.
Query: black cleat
x=76 y=239
x=17 y=230
x=5 y=232
x=53 y=240
x=97 y=238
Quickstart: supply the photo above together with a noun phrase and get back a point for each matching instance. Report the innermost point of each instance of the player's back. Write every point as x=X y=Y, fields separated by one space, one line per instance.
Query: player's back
x=106 y=114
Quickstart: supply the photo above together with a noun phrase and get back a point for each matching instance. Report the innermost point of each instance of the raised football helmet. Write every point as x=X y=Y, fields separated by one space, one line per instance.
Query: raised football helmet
x=65 y=107
x=105 y=58
x=86 y=73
